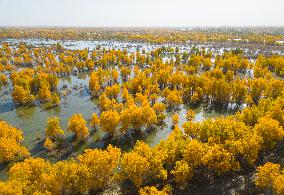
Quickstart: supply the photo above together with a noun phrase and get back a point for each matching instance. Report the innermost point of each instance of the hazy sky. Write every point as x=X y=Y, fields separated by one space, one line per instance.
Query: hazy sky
x=141 y=12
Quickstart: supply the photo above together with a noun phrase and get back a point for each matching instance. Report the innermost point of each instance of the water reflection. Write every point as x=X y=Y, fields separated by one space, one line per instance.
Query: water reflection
x=76 y=99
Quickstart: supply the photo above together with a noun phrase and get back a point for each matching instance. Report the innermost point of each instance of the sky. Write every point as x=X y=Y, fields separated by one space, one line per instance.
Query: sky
x=141 y=13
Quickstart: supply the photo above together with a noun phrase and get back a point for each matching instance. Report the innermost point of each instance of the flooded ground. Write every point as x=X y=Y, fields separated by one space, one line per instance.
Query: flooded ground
x=32 y=120
x=250 y=50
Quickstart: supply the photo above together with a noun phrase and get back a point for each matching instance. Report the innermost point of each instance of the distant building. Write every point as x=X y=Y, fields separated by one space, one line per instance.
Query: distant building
x=234 y=40
x=281 y=42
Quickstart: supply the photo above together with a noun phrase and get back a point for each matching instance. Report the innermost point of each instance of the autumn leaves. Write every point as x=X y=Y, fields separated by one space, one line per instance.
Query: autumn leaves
x=90 y=171
x=11 y=147
x=136 y=92
x=29 y=86
x=159 y=36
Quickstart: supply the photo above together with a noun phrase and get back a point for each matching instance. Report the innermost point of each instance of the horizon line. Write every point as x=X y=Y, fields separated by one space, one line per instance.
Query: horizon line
x=186 y=26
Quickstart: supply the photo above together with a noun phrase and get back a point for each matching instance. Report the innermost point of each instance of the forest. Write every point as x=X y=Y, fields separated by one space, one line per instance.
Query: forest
x=136 y=85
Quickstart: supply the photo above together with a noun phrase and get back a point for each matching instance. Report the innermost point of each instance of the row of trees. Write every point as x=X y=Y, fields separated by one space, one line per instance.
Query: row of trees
x=176 y=87
x=190 y=76
x=157 y=36
x=61 y=61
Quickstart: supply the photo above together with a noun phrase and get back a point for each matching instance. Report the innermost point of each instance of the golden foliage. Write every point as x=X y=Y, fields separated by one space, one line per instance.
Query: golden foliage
x=151 y=190
x=10 y=143
x=53 y=129
x=109 y=121
x=270 y=176
x=21 y=95
x=49 y=144
x=77 y=125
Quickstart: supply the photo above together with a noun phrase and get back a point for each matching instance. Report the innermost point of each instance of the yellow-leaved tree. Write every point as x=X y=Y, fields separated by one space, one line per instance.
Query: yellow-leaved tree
x=109 y=121
x=10 y=143
x=95 y=121
x=270 y=130
x=53 y=129
x=143 y=164
x=77 y=125
x=100 y=165
x=21 y=95
x=270 y=176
